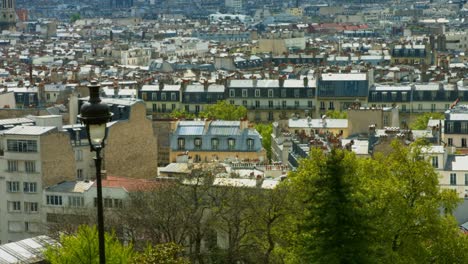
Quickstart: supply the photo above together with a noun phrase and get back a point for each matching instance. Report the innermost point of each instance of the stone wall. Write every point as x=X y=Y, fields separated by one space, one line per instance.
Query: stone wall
x=58 y=158
x=131 y=149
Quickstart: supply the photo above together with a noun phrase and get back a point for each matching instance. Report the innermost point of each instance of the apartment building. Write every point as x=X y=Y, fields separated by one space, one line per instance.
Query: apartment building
x=338 y=91
x=456 y=127
x=33 y=157
x=205 y=141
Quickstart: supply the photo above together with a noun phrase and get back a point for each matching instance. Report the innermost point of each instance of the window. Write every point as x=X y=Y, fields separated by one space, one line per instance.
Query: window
x=270 y=93
x=244 y=93
x=110 y=203
x=197 y=142
x=244 y=103
x=14 y=145
x=284 y=103
x=270 y=104
x=296 y=93
x=283 y=93
x=214 y=143
x=270 y=116
x=404 y=96
x=433 y=107
x=250 y=144
x=310 y=104
x=420 y=107
x=232 y=93
x=403 y=108
x=466 y=179
x=163 y=108
x=173 y=97
x=463 y=142
x=257 y=103
x=450 y=141
x=79 y=155
x=435 y=162
x=14 y=206
x=385 y=120
x=181 y=143
x=13 y=186
x=231 y=102
x=12 y=165
x=322 y=105
x=453 y=179
x=30 y=207
x=154 y=96
x=173 y=107
x=30 y=187
x=257 y=93
x=54 y=200
x=163 y=96
x=296 y=104
x=309 y=93
x=449 y=127
x=464 y=127
x=231 y=144
x=30 y=166
x=79 y=174
x=197 y=109
x=331 y=105
x=75 y=201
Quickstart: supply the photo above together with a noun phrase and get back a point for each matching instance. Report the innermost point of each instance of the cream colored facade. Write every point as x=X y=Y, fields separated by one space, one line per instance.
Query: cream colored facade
x=33 y=158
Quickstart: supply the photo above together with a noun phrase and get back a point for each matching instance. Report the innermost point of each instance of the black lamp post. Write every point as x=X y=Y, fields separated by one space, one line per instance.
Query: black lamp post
x=95 y=115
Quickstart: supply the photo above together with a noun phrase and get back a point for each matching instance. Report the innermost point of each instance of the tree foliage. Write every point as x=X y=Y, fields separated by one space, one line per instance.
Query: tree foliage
x=336 y=114
x=265 y=131
x=83 y=248
x=389 y=209
x=223 y=110
x=181 y=114
x=168 y=253
x=421 y=121
x=74 y=17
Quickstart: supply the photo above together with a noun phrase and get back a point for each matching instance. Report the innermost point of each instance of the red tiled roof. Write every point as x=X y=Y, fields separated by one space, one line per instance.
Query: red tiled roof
x=129 y=184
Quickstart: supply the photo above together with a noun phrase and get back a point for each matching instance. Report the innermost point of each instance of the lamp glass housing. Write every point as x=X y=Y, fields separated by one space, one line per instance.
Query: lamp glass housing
x=97 y=134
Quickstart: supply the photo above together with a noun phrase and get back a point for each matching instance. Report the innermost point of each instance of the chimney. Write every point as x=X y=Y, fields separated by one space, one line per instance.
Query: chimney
x=183 y=85
x=244 y=123
x=259 y=181
x=161 y=85
x=116 y=89
x=306 y=82
x=205 y=85
x=281 y=81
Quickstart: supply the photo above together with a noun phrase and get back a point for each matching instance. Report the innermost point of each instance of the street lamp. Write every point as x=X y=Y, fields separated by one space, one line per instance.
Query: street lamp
x=95 y=115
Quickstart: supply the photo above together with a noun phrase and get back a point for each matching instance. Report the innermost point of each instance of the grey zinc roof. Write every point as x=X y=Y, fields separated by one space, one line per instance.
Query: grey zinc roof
x=344 y=77
x=71 y=187
x=25 y=251
x=270 y=83
x=29 y=130
x=190 y=131
x=194 y=88
x=318 y=123
x=11 y=121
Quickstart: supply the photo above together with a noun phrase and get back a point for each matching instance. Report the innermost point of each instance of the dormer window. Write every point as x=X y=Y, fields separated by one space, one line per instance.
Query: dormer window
x=250 y=144
x=231 y=144
x=214 y=144
x=198 y=143
x=181 y=143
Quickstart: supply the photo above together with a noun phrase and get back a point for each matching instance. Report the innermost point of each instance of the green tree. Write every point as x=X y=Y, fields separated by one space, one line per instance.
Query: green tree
x=74 y=17
x=334 y=227
x=265 y=131
x=83 y=247
x=421 y=121
x=181 y=114
x=168 y=253
x=223 y=110
x=336 y=114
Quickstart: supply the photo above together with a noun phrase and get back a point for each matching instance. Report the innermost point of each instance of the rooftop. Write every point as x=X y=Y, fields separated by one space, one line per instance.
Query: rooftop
x=29 y=130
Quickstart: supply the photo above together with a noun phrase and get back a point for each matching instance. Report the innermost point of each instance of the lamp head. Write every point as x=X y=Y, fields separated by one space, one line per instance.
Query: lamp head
x=95 y=115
